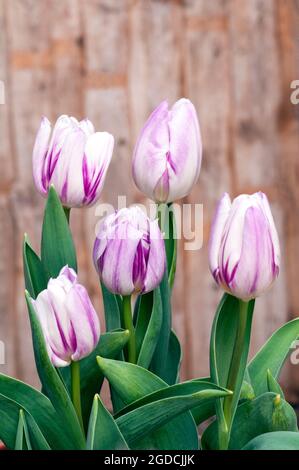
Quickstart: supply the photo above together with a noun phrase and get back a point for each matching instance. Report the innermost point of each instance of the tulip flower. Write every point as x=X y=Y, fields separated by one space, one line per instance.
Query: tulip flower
x=244 y=249
x=167 y=156
x=75 y=159
x=129 y=252
x=68 y=319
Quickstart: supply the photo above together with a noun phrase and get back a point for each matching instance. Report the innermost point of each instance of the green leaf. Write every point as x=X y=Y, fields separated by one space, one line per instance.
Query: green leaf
x=173 y=360
x=266 y=413
x=222 y=344
x=34 y=274
x=22 y=437
x=273 y=385
x=112 y=309
x=51 y=382
x=272 y=356
x=14 y=395
x=142 y=312
x=142 y=421
x=171 y=248
x=158 y=364
x=103 y=432
x=279 y=440
x=57 y=246
x=151 y=336
x=110 y=345
x=185 y=388
x=131 y=383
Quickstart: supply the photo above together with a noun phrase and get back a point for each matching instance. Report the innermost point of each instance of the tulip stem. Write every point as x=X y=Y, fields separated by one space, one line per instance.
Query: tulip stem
x=128 y=324
x=76 y=391
x=234 y=368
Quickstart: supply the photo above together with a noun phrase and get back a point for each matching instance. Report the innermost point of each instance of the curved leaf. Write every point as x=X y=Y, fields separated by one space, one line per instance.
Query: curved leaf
x=152 y=332
x=131 y=383
x=280 y=440
x=22 y=437
x=272 y=355
x=103 y=432
x=57 y=246
x=173 y=360
x=266 y=413
x=34 y=274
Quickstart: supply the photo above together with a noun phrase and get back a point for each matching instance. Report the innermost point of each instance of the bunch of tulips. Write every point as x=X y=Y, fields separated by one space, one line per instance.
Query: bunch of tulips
x=241 y=404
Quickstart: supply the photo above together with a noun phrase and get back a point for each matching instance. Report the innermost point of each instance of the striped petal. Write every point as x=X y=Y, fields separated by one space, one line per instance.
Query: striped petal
x=39 y=155
x=156 y=264
x=84 y=320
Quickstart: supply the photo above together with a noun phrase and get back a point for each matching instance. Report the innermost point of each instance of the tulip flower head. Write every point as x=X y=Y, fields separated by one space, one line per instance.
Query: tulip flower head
x=244 y=251
x=129 y=252
x=68 y=319
x=75 y=159
x=167 y=156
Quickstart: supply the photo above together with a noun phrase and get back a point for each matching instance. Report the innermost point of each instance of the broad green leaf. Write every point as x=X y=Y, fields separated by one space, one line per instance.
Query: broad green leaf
x=112 y=309
x=207 y=410
x=143 y=421
x=152 y=333
x=142 y=311
x=14 y=395
x=110 y=345
x=131 y=383
x=266 y=413
x=34 y=274
x=186 y=388
x=57 y=246
x=173 y=360
x=279 y=440
x=51 y=382
x=273 y=385
x=103 y=432
x=22 y=437
x=222 y=344
x=272 y=356
x=158 y=364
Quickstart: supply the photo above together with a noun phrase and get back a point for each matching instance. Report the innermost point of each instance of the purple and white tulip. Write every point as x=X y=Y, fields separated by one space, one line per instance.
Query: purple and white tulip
x=68 y=319
x=129 y=252
x=167 y=156
x=75 y=159
x=244 y=251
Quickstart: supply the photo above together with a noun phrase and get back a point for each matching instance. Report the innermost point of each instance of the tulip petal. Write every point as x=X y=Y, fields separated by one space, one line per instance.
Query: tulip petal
x=67 y=176
x=150 y=152
x=254 y=271
x=84 y=320
x=156 y=264
x=185 y=150
x=217 y=228
x=39 y=154
x=97 y=158
x=275 y=240
x=55 y=342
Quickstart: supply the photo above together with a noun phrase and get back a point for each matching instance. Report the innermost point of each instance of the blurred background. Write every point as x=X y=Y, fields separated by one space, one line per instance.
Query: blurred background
x=114 y=61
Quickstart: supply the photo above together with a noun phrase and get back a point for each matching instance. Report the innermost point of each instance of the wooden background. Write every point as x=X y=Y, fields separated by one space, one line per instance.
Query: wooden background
x=114 y=61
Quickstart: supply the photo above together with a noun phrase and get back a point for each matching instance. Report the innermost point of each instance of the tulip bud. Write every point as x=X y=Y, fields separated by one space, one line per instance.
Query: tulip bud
x=69 y=322
x=244 y=249
x=75 y=160
x=167 y=156
x=129 y=252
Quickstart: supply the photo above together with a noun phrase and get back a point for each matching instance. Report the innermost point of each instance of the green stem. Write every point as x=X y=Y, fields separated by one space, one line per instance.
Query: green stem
x=234 y=369
x=76 y=391
x=167 y=226
x=128 y=324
